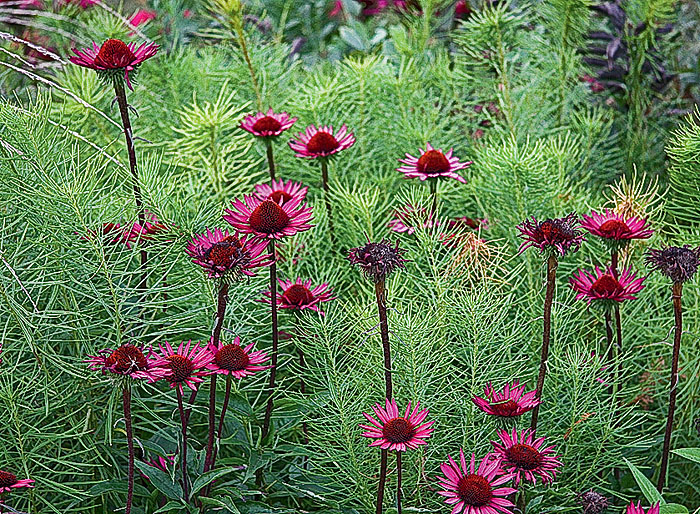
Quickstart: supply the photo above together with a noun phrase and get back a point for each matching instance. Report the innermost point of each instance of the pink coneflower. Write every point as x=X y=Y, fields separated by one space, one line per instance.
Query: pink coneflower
x=114 y=57
x=523 y=456
x=614 y=227
x=127 y=359
x=509 y=403
x=433 y=163
x=475 y=490
x=151 y=228
x=637 y=509
x=269 y=124
x=223 y=254
x=8 y=482
x=281 y=191
x=395 y=432
x=112 y=233
x=267 y=219
x=558 y=234
x=606 y=285
x=409 y=218
x=165 y=464
x=321 y=142
x=299 y=295
x=142 y=16
x=185 y=366
x=235 y=360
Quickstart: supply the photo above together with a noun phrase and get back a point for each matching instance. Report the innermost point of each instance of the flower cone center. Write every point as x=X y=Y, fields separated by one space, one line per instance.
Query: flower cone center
x=524 y=456
x=398 y=430
x=225 y=252
x=474 y=490
x=280 y=197
x=322 y=142
x=114 y=53
x=433 y=161
x=268 y=218
x=614 y=229
x=126 y=359
x=606 y=286
x=506 y=409
x=181 y=368
x=556 y=232
x=298 y=295
x=7 y=479
x=267 y=124
x=232 y=358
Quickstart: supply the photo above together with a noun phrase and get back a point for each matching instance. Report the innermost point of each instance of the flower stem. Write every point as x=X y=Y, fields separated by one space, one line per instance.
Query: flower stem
x=380 y=291
x=326 y=197
x=678 y=313
x=433 y=193
x=183 y=420
x=552 y=264
x=611 y=347
x=382 y=481
x=302 y=390
x=238 y=27
x=275 y=340
x=270 y=159
x=120 y=93
x=126 y=396
x=220 y=429
x=618 y=344
x=398 y=482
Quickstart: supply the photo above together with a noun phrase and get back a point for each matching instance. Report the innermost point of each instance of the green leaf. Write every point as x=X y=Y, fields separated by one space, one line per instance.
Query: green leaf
x=207 y=478
x=673 y=508
x=161 y=481
x=222 y=501
x=688 y=453
x=171 y=505
x=352 y=38
x=648 y=490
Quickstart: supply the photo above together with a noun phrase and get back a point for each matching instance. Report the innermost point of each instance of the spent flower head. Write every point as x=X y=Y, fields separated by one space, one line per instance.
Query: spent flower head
x=378 y=260
x=679 y=263
x=593 y=502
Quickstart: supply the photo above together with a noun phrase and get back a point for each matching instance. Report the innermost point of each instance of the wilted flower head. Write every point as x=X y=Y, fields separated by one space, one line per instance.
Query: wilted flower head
x=593 y=502
x=679 y=263
x=606 y=285
x=637 y=509
x=127 y=359
x=114 y=59
x=395 y=432
x=432 y=163
x=223 y=254
x=616 y=228
x=377 y=260
x=320 y=142
x=299 y=295
x=511 y=402
x=523 y=456
x=8 y=482
x=269 y=124
x=556 y=234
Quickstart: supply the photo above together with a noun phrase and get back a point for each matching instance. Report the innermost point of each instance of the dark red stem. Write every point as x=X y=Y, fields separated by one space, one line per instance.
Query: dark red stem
x=126 y=395
x=326 y=197
x=183 y=420
x=398 y=482
x=380 y=291
x=433 y=193
x=275 y=341
x=270 y=159
x=382 y=481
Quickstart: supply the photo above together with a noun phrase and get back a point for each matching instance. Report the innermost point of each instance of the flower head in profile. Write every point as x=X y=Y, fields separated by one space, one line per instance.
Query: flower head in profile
x=377 y=260
x=300 y=295
x=165 y=464
x=637 y=509
x=475 y=489
x=111 y=233
x=127 y=360
x=616 y=228
x=511 y=402
x=679 y=263
x=410 y=218
x=321 y=142
x=184 y=366
x=281 y=191
x=593 y=502
x=392 y=431
x=268 y=124
x=268 y=219
x=432 y=163
x=236 y=360
x=9 y=481
x=151 y=229
x=606 y=285
x=524 y=456
x=114 y=60
x=141 y=17
x=560 y=235
x=224 y=254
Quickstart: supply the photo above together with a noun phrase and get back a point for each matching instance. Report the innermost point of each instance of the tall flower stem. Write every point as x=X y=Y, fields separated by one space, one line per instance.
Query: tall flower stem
x=326 y=197
x=610 y=343
x=398 y=482
x=380 y=291
x=183 y=420
x=552 y=264
x=275 y=340
x=240 y=34
x=120 y=93
x=270 y=158
x=433 y=193
x=618 y=345
x=126 y=397
x=220 y=429
x=678 y=313
x=215 y=338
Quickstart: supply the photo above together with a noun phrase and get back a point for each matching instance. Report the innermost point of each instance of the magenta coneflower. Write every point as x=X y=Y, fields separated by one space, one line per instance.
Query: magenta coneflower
x=221 y=253
x=558 y=234
x=433 y=163
x=267 y=219
x=511 y=402
x=524 y=457
x=127 y=359
x=409 y=218
x=269 y=124
x=299 y=295
x=236 y=360
x=281 y=191
x=395 y=432
x=146 y=231
x=185 y=366
x=614 y=227
x=605 y=285
x=320 y=142
x=8 y=482
x=637 y=509
x=114 y=58
x=475 y=490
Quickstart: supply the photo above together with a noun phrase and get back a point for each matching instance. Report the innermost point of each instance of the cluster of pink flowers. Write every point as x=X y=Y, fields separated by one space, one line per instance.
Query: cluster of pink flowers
x=114 y=233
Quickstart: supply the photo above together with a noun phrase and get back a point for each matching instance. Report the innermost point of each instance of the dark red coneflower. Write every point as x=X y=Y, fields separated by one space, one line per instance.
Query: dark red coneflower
x=378 y=260
x=511 y=402
x=9 y=481
x=560 y=235
x=268 y=126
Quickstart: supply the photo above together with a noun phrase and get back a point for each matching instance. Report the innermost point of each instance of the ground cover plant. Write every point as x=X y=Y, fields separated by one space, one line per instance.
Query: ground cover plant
x=349 y=257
